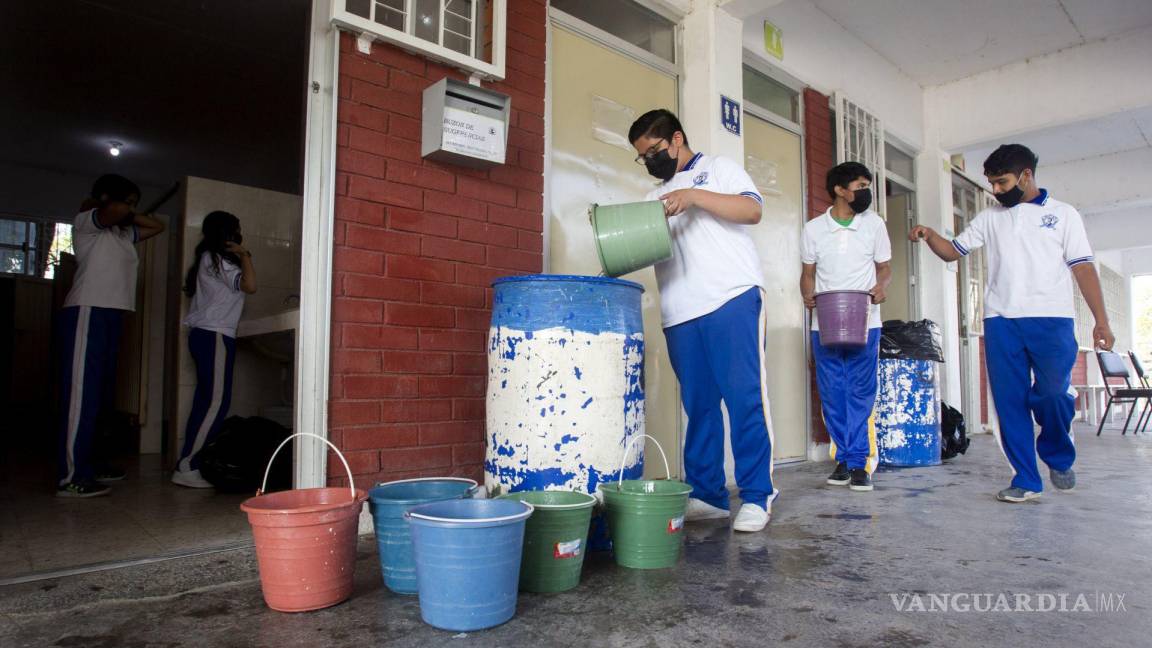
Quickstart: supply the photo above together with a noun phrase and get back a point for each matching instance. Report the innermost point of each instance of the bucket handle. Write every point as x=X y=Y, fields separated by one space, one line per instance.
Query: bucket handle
x=667 y=469
x=268 y=469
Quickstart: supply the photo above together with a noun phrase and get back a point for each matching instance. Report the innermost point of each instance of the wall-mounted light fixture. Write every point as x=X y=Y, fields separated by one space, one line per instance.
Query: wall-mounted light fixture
x=114 y=148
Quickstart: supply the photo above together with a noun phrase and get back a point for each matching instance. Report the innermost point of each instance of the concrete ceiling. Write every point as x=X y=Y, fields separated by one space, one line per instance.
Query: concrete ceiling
x=212 y=88
x=1112 y=134
x=937 y=41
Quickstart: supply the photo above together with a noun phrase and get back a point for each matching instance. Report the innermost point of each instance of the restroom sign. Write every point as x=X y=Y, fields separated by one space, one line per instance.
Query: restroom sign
x=730 y=115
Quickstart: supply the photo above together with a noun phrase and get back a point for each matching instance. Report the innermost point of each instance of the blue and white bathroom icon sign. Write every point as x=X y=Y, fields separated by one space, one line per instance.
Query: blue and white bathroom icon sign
x=730 y=115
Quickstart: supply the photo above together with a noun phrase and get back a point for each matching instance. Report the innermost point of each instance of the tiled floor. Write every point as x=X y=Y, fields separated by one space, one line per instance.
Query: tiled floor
x=145 y=516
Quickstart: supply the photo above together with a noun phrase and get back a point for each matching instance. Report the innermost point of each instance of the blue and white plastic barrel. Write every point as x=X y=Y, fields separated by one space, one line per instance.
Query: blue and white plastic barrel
x=565 y=382
x=908 y=413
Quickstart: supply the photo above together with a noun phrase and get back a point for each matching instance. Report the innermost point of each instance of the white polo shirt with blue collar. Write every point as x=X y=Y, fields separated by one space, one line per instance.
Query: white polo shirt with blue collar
x=846 y=255
x=713 y=260
x=106 y=264
x=1031 y=249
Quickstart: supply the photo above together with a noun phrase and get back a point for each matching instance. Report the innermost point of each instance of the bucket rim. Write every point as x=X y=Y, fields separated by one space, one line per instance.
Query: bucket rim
x=473 y=488
x=614 y=487
x=246 y=506
x=414 y=514
x=565 y=277
x=591 y=501
x=842 y=292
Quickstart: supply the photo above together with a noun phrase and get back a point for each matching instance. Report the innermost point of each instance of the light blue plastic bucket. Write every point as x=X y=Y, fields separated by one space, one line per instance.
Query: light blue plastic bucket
x=388 y=503
x=468 y=561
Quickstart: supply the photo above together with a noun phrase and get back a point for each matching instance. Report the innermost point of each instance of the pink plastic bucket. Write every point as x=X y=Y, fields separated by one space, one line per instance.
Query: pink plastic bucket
x=843 y=318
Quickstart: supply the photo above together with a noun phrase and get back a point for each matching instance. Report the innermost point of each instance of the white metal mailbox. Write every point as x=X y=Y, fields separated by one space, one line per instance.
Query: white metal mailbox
x=464 y=124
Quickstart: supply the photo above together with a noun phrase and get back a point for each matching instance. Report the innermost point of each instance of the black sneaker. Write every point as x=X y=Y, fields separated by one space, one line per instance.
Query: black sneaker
x=840 y=476
x=77 y=490
x=110 y=474
x=861 y=480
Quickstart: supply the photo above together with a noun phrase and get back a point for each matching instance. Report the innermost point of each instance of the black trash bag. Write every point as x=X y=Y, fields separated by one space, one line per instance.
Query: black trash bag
x=954 y=435
x=235 y=460
x=911 y=341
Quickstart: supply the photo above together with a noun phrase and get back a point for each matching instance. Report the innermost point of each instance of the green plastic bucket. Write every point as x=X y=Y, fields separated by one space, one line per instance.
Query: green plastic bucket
x=646 y=518
x=555 y=539
x=630 y=236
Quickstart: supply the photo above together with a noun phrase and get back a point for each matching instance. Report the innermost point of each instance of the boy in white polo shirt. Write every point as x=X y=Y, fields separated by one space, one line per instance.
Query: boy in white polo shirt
x=1035 y=246
x=847 y=248
x=712 y=306
x=104 y=236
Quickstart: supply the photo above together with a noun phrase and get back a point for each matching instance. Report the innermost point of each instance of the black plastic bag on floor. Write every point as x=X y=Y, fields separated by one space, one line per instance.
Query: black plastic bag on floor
x=902 y=340
x=954 y=434
x=235 y=460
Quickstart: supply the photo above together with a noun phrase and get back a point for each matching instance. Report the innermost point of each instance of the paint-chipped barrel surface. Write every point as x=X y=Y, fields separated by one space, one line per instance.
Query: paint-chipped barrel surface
x=908 y=413
x=565 y=382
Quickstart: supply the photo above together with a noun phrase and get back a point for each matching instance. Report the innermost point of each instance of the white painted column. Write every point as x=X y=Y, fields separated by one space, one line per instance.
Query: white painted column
x=713 y=66
x=937 y=283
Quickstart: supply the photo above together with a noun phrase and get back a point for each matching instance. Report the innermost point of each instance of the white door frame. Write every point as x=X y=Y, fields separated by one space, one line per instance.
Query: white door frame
x=313 y=333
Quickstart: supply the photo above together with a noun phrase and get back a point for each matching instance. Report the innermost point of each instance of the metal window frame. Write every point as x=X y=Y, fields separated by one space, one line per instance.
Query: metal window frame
x=869 y=141
x=778 y=75
x=408 y=40
x=588 y=30
x=29 y=246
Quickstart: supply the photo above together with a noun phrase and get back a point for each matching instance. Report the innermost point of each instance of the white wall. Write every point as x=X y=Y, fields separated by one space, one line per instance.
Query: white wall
x=822 y=54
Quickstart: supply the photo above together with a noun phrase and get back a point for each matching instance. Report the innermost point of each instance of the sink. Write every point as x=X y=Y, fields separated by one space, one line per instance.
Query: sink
x=284 y=321
x=273 y=336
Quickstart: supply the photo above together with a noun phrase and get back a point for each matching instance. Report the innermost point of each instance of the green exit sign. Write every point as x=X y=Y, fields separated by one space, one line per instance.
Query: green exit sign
x=773 y=40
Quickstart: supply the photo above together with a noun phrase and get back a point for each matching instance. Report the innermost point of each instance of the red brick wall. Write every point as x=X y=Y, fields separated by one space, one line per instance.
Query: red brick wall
x=820 y=156
x=416 y=246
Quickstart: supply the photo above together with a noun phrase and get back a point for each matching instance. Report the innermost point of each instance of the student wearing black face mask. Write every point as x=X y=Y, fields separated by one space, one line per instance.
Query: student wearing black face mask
x=847 y=248
x=1035 y=246
x=711 y=302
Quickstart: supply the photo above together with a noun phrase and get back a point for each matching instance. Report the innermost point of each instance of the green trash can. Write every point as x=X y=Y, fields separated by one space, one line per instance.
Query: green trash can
x=630 y=236
x=555 y=539
x=646 y=517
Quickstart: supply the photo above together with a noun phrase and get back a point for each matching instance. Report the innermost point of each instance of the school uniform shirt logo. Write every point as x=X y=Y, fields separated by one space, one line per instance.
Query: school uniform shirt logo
x=1049 y=221
x=701 y=179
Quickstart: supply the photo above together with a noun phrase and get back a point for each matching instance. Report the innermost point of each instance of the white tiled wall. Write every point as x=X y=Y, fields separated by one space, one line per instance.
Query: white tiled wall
x=270 y=222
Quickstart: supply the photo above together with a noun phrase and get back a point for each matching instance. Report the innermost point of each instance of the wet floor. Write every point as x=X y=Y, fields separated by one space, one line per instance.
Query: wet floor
x=927 y=559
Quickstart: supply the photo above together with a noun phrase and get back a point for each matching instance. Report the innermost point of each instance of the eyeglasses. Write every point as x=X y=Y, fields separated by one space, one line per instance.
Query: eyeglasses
x=651 y=152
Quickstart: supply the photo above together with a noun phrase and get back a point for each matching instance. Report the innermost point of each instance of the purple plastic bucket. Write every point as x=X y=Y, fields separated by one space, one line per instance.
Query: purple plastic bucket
x=843 y=318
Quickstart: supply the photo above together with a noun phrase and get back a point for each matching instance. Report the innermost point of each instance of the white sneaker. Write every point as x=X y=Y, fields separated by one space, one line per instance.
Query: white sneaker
x=190 y=479
x=701 y=510
x=751 y=518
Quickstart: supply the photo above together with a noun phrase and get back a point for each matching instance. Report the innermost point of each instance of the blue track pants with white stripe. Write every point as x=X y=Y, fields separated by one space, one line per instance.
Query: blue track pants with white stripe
x=846 y=379
x=89 y=340
x=720 y=357
x=1030 y=363
x=215 y=356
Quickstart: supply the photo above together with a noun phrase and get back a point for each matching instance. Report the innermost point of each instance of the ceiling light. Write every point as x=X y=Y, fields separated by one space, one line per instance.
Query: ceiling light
x=114 y=148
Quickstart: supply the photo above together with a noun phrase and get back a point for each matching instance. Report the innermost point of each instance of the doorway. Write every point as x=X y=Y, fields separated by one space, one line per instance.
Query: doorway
x=597 y=92
x=772 y=156
x=208 y=94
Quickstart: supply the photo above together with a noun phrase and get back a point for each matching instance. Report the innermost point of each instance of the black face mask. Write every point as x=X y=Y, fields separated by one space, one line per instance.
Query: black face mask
x=1012 y=197
x=662 y=165
x=862 y=200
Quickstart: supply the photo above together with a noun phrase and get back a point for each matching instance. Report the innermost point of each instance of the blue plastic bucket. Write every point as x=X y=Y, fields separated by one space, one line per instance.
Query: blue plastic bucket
x=908 y=413
x=468 y=561
x=388 y=503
